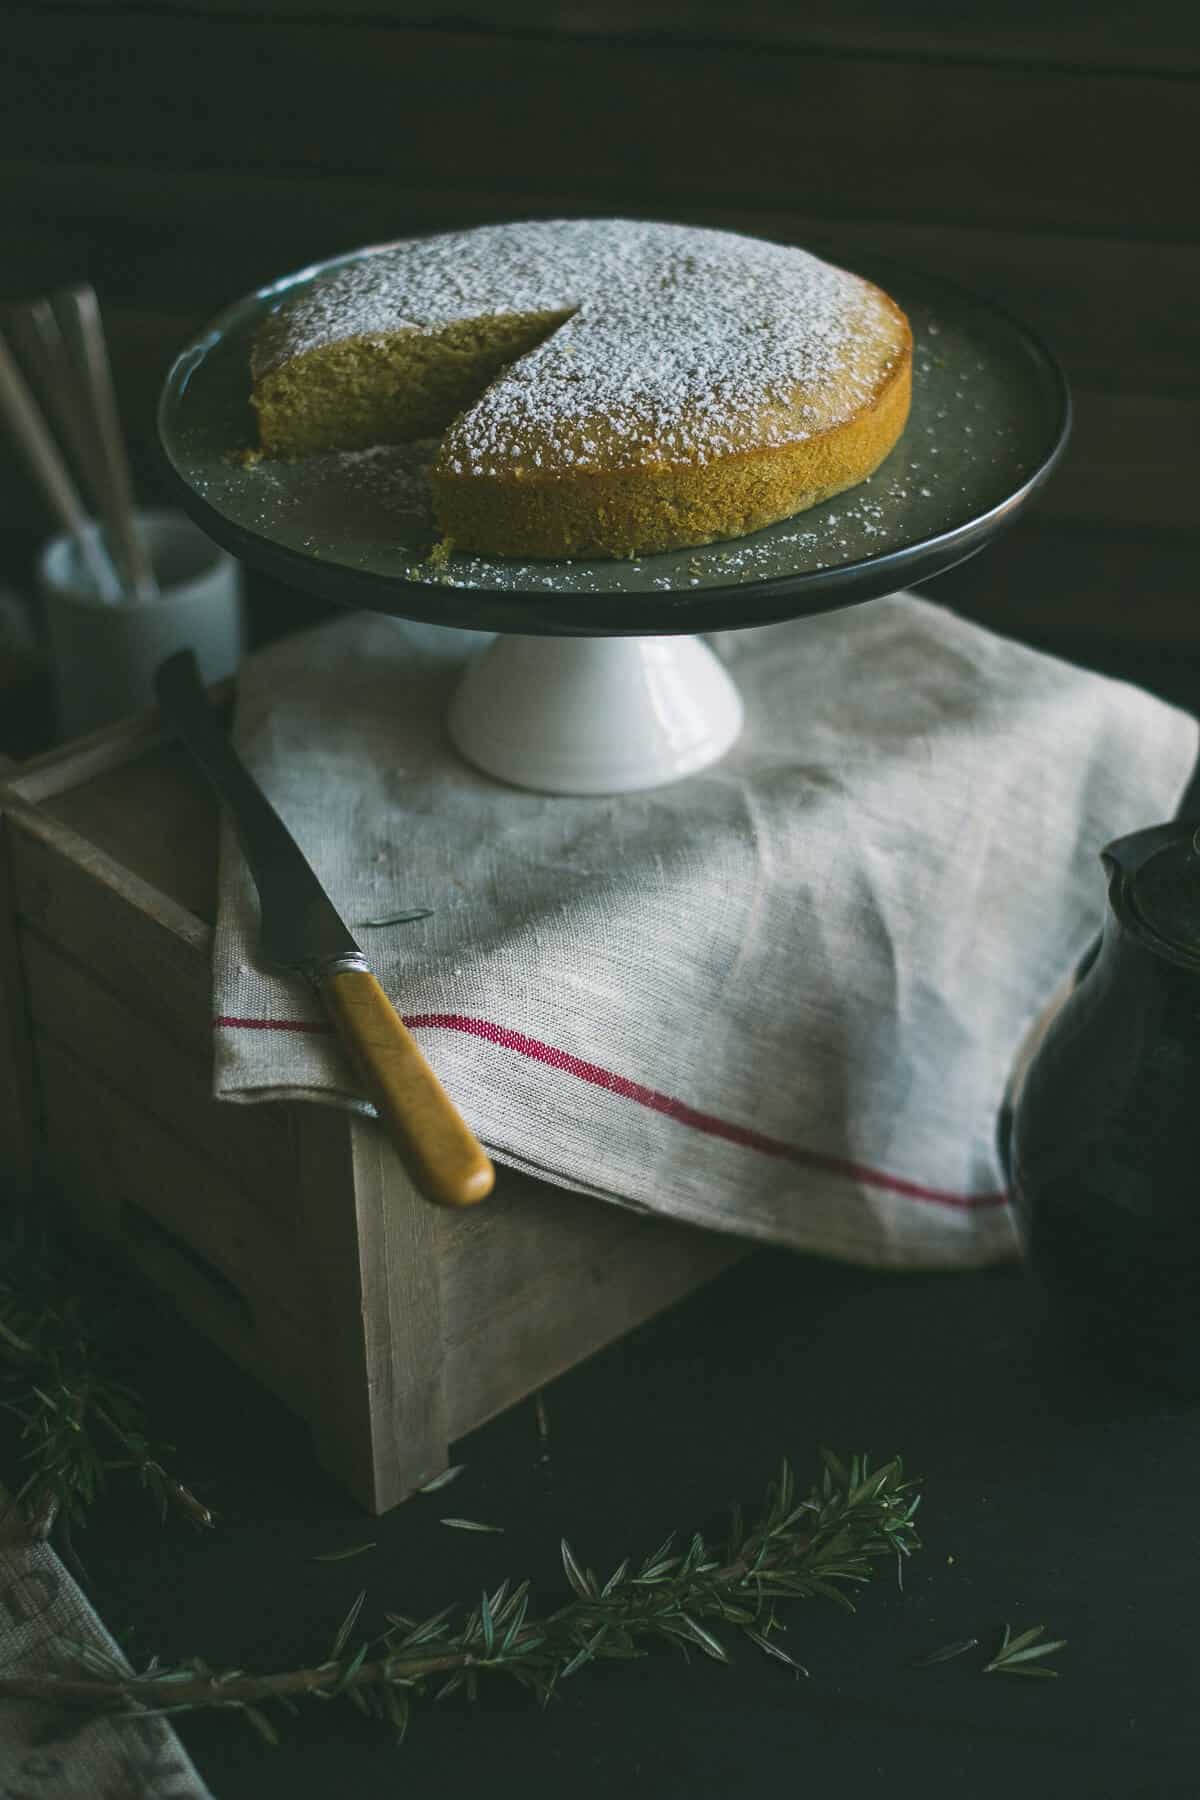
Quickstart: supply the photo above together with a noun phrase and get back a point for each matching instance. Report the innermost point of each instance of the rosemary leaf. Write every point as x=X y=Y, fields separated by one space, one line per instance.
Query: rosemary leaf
x=425 y=1633
x=776 y=1650
x=1024 y=1648
x=615 y=1579
x=584 y=1654
x=945 y=1654
x=346 y=1678
x=255 y=1716
x=342 y=1555
x=1012 y=1657
x=347 y=1626
x=442 y=1480
x=497 y=1601
x=576 y=1576
x=398 y=1710
x=469 y=1525
x=79 y=1425
x=518 y=1619
x=711 y=1646
x=835 y=1469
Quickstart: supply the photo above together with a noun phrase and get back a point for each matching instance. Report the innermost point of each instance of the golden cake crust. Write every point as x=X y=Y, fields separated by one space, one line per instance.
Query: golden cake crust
x=600 y=387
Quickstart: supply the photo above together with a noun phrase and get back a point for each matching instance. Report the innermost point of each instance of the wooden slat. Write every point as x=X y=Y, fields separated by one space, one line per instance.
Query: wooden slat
x=1164 y=38
x=251 y=1144
x=112 y=747
x=136 y=940
x=433 y=1320
x=107 y=1156
x=377 y=1401
x=538 y=1278
x=157 y=817
x=1011 y=147
x=182 y=1186
x=67 y=769
x=533 y=1236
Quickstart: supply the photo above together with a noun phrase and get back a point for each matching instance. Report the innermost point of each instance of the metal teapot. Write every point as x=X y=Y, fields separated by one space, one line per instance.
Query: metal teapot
x=1104 y=1153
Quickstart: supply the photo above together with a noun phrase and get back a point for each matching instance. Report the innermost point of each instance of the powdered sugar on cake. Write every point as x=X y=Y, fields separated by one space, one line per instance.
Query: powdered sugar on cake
x=676 y=344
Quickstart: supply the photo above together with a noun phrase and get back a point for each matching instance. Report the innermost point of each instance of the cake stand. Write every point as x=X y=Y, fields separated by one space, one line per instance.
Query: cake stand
x=597 y=678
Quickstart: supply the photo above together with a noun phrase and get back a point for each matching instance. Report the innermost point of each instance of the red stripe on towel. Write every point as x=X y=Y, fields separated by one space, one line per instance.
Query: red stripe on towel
x=678 y=1110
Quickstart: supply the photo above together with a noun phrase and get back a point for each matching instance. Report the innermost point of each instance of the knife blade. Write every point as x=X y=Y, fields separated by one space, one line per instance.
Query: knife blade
x=302 y=931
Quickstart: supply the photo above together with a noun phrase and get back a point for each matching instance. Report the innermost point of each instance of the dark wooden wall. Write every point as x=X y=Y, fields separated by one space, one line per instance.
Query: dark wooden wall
x=177 y=152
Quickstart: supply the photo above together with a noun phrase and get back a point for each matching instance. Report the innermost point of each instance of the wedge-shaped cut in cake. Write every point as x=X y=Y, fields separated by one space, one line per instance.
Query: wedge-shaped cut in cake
x=599 y=386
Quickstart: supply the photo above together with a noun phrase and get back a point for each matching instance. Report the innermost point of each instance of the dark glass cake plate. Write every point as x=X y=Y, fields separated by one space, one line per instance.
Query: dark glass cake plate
x=990 y=417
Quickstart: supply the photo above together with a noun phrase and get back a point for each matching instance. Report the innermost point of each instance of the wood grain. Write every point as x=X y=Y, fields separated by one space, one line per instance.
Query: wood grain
x=377 y=1402
x=114 y=1167
x=182 y=1186
x=552 y=1275
x=1023 y=34
x=251 y=1144
x=143 y=944
x=1029 y=146
x=178 y=858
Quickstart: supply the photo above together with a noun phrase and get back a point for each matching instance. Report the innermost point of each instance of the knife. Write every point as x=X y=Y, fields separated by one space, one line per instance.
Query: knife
x=301 y=931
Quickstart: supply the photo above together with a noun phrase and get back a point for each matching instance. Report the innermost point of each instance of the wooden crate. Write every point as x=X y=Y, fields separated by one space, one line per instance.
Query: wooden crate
x=289 y=1234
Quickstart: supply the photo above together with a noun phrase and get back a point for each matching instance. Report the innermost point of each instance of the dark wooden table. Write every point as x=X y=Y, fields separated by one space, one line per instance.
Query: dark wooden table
x=1051 y=1497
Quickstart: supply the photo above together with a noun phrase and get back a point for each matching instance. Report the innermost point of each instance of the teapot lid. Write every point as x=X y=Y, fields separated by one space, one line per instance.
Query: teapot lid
x=1164 y=894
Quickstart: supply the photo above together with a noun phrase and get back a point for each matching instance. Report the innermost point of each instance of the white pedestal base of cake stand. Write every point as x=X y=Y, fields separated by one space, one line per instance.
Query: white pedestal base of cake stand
x=608 y=715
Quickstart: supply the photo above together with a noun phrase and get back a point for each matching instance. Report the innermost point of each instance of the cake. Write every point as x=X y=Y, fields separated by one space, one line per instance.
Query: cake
x=598 y=386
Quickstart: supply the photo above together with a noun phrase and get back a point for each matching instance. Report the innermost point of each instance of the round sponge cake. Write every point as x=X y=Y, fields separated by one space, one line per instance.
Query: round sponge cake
x=599 y=386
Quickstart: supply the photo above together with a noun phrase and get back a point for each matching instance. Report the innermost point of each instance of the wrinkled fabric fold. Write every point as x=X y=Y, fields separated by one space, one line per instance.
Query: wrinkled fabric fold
x=780 y=999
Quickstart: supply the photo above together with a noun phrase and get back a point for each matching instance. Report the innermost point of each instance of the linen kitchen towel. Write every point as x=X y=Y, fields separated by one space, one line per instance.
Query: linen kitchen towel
x=779 y=999
x=47 y=1753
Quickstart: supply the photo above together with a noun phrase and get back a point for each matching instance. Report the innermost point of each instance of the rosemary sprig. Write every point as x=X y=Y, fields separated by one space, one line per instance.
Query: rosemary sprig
x=78 y=1424
x=1016 y=1653
x=819 y=1545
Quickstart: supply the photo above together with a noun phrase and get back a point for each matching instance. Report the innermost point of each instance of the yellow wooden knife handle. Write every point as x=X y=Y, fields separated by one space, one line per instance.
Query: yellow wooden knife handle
x=441 y=1152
